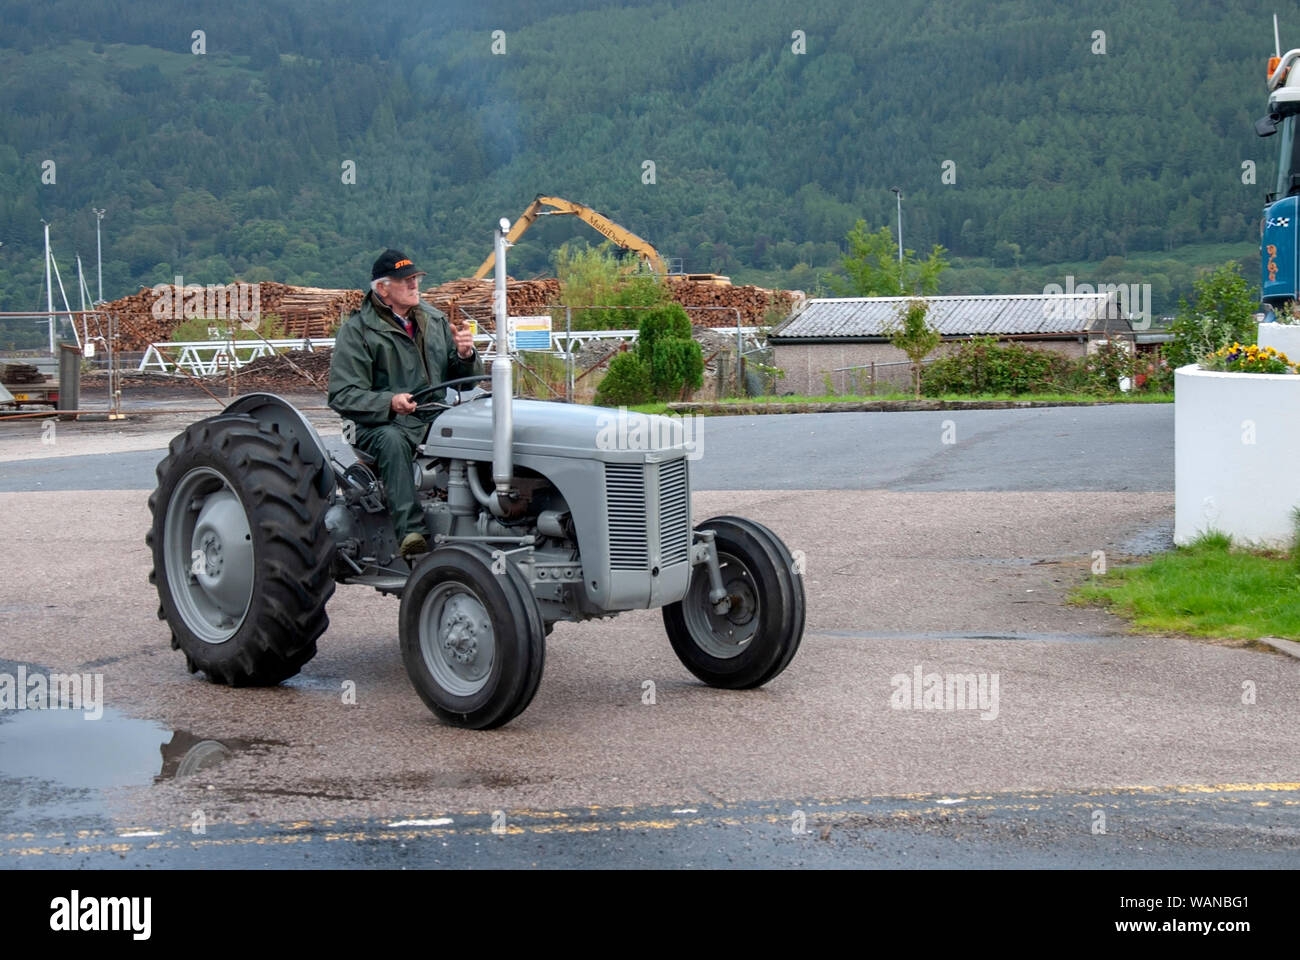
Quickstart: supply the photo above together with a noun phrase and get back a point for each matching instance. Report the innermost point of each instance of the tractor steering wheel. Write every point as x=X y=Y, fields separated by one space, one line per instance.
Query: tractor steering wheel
x=416 y=396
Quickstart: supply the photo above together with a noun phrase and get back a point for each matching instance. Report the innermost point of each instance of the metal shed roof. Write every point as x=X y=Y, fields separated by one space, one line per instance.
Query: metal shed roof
x=1029 y=314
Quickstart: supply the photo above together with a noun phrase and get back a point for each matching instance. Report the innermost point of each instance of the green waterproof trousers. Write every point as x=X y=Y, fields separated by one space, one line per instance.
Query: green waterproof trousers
x=394 y=453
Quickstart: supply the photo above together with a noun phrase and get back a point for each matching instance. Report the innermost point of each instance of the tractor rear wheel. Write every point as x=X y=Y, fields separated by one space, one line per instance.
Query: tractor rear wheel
x=760 y=632
x=241 y=556
x=472 y=636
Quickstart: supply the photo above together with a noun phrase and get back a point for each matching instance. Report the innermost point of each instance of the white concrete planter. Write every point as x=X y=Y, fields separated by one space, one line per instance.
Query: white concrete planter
x=1282 y=337
x=1236 y=454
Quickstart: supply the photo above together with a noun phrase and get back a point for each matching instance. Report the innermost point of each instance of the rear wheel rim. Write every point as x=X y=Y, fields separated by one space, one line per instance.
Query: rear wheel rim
x=457 y=640
x=208 y=555
x=723 y=635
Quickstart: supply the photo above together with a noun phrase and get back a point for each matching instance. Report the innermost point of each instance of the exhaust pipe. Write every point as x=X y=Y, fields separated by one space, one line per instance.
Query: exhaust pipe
x=503 y=427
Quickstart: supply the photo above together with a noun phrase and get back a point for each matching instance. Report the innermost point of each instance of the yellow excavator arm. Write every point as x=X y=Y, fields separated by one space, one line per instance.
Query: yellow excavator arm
x=606 y=227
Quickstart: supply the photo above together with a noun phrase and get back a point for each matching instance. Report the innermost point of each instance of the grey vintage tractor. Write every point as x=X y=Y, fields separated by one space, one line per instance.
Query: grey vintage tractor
x=540 y=512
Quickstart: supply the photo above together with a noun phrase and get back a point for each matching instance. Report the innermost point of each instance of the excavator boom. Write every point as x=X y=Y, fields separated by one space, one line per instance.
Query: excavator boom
x=620 y=236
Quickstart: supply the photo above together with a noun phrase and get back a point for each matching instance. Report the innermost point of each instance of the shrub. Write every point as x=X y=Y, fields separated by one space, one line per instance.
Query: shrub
x=1100 y=371
x=1223 y=313
x=667 y=323
x=677 y=365
x=981 y=365
x=1155 y=374
x=672 y=359
x=626 y=383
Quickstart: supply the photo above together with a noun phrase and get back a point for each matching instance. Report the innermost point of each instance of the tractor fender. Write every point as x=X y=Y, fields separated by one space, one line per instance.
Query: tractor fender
x=269 y=408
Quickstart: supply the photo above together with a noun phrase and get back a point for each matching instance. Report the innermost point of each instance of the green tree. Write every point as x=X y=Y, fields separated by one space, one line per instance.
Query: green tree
x=871 y=267
x=912 y=333
x=592 y=276
x=1221 y=312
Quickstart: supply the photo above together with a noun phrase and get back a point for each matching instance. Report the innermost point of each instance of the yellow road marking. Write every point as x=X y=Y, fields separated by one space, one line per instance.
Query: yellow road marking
x=563 y=822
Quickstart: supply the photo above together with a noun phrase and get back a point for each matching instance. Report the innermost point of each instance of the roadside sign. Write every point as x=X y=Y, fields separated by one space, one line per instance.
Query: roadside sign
x=530 y=333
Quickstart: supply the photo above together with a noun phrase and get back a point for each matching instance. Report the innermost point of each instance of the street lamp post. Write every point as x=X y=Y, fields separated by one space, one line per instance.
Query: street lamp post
x=898 y=193
x=99 y=255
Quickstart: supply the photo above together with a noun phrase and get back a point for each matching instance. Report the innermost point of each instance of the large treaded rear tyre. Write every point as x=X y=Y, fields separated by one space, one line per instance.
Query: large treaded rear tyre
x=241 y=556
x=759 y=636
x=472 y=637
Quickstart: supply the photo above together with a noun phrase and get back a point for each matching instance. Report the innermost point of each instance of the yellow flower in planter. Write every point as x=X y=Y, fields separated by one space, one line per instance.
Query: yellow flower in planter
x=1250 y=359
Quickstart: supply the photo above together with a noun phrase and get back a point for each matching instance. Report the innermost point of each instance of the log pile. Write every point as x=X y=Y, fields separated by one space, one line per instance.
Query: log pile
x=472 y=299
x=315 y=312
x=20 y=373
x=753 y=303
x=305 y=312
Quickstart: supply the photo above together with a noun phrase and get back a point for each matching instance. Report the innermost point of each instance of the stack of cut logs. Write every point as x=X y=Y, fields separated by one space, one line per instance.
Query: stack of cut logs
x=315 y=312
x=472 y=299
x=20 y=373
x=305 y=312
x=753 y=303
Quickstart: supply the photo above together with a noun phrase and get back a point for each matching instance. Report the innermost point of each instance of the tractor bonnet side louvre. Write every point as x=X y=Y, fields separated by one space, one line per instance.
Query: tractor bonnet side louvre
x=674 y=513
x=625 y=495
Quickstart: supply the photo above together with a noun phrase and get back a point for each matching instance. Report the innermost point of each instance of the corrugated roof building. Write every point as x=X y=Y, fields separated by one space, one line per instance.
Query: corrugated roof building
x=844 y=342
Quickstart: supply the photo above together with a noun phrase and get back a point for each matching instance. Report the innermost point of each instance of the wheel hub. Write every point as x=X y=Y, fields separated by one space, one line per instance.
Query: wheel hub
x=212 y=558
x=724 y=635
x=460 y=631
x=456 y=638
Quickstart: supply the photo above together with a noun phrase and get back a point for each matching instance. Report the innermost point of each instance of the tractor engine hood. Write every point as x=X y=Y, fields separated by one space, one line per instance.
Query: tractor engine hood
x=562 y=430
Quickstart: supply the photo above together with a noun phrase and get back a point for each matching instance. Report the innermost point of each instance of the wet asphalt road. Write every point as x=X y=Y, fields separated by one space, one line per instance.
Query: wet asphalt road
x=1106 y=448
x=904 y=570
x=1236 y=827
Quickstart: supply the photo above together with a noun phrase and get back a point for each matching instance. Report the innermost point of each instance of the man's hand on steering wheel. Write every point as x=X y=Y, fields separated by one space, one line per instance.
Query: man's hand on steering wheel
x=402 y=403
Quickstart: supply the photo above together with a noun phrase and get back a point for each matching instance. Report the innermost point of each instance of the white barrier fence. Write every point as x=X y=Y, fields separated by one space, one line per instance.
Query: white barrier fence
x=207 y=357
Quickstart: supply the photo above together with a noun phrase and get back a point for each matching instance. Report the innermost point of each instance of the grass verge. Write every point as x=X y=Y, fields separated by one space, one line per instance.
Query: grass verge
x=1207 y=589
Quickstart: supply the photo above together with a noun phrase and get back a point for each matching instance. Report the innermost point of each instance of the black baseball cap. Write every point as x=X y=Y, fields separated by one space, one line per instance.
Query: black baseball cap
x=394 y=265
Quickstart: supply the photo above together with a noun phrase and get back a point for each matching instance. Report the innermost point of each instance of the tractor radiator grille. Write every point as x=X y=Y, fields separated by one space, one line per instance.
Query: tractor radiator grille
x=625 y=494
x=674 y=513
x=628 y=526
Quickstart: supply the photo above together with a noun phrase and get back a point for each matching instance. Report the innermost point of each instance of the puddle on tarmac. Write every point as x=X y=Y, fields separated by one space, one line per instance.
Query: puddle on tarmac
x=56 y=765
x=64 y=747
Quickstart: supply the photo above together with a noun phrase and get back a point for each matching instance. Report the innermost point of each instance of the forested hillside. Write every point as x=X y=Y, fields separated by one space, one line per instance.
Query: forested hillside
x=231 y=163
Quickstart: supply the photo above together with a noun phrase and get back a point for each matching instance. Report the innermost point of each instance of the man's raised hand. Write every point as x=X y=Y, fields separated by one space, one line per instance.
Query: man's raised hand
x=463 y=338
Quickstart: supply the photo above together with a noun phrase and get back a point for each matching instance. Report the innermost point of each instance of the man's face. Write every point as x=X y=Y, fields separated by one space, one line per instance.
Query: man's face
x=402 y=294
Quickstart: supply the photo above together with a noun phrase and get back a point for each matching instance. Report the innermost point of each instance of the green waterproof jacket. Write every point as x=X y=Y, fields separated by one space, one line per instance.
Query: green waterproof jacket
x=374 y=359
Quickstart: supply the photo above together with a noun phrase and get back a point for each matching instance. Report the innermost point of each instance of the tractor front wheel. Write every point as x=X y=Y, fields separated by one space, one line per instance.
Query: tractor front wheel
x=757 y=636
x=472 y=636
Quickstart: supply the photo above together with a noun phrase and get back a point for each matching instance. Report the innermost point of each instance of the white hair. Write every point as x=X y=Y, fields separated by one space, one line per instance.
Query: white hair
x=374 y=284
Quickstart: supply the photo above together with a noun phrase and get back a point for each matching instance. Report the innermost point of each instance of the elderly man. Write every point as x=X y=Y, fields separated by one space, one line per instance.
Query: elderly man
x=393 y=346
